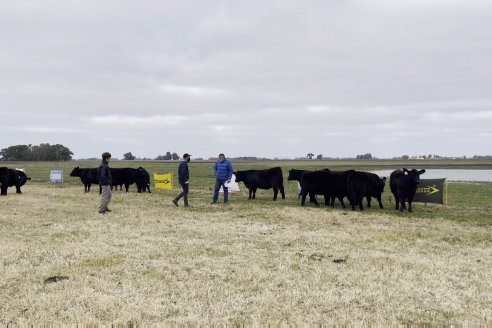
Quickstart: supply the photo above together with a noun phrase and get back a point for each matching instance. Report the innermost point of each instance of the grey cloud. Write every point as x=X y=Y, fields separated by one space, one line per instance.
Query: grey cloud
x=275 y=78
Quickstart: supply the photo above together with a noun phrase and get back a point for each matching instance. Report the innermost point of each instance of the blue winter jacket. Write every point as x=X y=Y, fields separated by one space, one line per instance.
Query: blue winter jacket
x=223 y=170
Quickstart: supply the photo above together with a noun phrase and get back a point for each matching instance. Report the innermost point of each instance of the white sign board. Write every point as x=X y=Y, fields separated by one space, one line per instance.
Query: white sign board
x=56 y=176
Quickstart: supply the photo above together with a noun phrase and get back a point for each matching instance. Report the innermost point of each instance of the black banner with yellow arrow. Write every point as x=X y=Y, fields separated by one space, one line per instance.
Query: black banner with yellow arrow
x=432 y=191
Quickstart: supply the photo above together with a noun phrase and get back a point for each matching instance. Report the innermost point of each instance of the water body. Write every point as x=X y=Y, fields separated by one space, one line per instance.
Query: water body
x=451 y=175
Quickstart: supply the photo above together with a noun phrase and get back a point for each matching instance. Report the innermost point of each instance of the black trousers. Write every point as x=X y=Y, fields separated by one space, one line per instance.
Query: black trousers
x=184 y=193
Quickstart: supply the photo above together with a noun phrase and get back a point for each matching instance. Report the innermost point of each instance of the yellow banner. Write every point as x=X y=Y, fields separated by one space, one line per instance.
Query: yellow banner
x=163 y=181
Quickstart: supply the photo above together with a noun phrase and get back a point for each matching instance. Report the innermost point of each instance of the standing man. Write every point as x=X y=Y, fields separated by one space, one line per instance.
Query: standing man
x=105 y=181
x=223 y=174
x=183 y=178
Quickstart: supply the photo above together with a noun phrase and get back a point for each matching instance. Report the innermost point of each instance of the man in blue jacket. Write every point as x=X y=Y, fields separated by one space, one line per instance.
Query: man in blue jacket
x=223 y=174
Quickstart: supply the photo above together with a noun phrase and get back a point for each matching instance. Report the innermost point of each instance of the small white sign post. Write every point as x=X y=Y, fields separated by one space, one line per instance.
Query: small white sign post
x=56 y=176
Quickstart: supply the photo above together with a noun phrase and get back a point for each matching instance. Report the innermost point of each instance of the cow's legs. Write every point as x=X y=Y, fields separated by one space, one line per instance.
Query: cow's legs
x=275 y=193
x=397 y=201
x=282 y=191
x=361 y=207
x=402 y=203
x=303 y=197
x=332 y=203
x=312 y=197
x=340 y=198
x=380 y=202
x=410 y=200
x=250 y=192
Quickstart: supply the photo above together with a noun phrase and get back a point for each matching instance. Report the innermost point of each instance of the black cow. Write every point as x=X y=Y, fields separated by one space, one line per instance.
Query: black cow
x=403 y=185
x=88 y=176
x=329 y=184
x=376 y=188
x=263 y=179
x=296 y=175
x=129 y=176
x=10 y=178
x=364 y=184
x=117 y=176
x=120 y=177
x=142 y=179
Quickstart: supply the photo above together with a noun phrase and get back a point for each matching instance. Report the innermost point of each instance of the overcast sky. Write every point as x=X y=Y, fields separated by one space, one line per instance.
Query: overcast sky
x=248 y=78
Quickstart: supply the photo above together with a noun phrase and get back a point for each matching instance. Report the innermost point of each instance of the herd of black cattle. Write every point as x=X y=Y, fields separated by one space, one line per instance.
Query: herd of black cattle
x=120 y=176
x=350 y=184
x=354 y=185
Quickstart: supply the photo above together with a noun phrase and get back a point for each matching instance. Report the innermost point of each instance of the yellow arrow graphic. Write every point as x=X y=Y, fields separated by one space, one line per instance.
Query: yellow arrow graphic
x=428 y=190
x=433 y=190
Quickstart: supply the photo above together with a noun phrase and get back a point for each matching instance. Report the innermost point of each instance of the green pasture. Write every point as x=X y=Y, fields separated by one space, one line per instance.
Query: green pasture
x=252 y=263
x=466 y=201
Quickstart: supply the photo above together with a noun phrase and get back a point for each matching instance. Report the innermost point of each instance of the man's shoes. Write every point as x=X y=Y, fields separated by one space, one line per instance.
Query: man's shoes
x=107 y=210
x=213 y=203
x=187 y=205
x=226 y=204
x=102 y=212
x=175 y=202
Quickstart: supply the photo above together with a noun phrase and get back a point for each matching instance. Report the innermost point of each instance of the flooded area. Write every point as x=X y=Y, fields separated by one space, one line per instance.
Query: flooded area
x=451 y=175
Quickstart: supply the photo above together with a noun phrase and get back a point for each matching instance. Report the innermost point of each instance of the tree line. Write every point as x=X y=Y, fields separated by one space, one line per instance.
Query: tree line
x=43 y=152
x=47 y=152
x=174 y=156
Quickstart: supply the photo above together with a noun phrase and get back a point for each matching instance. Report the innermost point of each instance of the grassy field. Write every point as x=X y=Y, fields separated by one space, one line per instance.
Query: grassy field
x=252 y=262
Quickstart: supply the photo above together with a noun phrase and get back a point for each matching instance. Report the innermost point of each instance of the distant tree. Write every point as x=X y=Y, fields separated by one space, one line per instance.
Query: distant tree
x=310 y=155
x=16 y=153
x=174 y=156
x=247 y=158
x=166 y=157
x=129 y=156
x=365 y=156
x=319 y=157
x=405 y=157
x=43 y=152
x=60 y=153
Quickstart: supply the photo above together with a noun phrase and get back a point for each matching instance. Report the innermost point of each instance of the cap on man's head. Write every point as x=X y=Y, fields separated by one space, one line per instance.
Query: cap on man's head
x=106 y=155
x=186 y=155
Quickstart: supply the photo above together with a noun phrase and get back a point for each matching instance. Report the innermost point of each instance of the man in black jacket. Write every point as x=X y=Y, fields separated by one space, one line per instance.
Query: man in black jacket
x=183 y=178
x=105 y=181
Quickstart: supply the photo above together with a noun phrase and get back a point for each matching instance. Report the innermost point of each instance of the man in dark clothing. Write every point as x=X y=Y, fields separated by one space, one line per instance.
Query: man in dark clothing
x=183 y=178
x=105 y=182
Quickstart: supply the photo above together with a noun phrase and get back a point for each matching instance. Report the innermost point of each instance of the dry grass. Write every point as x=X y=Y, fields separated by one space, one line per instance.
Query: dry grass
x=262 y=263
